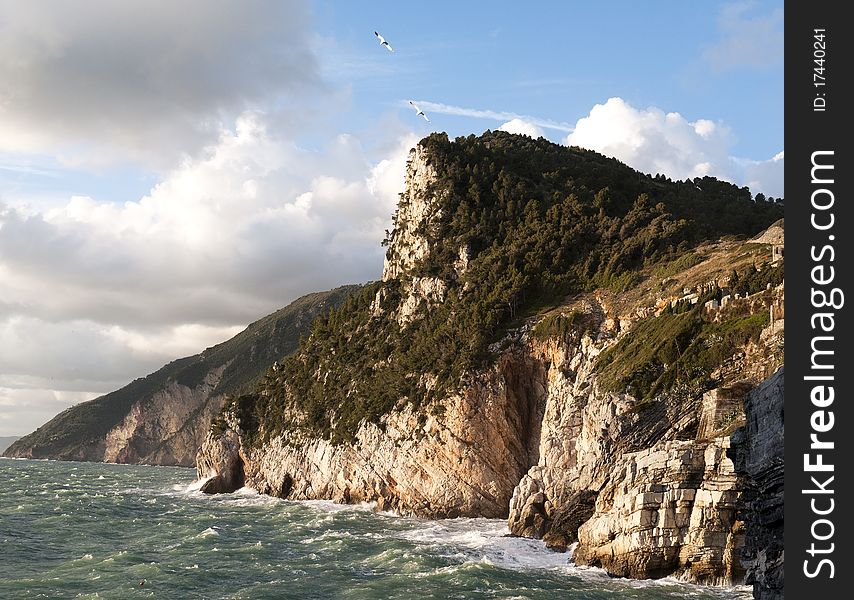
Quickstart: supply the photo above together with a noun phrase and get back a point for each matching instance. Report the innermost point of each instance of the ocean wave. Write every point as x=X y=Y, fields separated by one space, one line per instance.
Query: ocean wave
x=255 y=539
x=486 y=541
x=331 y=506
x=329 y=535
x=195 y=486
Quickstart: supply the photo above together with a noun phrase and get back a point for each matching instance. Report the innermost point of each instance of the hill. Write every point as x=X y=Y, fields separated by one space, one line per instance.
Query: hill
x=162 y=418
x=557 y=339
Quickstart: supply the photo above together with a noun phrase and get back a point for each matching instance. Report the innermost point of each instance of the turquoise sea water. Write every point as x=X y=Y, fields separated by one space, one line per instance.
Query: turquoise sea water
x=84 y=530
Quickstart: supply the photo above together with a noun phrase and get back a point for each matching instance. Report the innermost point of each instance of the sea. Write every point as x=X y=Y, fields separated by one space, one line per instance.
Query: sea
x=92 y=530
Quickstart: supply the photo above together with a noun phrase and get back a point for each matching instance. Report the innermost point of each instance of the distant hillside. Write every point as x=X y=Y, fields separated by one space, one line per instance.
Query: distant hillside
x=162 y=418
x=6 y=441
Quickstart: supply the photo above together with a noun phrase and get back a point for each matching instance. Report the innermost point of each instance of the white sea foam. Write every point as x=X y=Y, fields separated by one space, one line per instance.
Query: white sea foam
x=486 y=541
x=333 y=507
x=193 y=487
x=210 y=531
x=328 y=535
x=246 y=496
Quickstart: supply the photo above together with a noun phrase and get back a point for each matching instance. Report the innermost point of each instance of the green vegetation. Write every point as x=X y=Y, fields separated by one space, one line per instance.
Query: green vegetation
x=540 y=221
x=562 y=326
x=681 y=348
x=755 y=280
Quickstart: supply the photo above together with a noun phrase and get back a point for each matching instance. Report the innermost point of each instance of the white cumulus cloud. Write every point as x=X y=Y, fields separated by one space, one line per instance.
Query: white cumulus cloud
x=654 y=141
x=522 y=127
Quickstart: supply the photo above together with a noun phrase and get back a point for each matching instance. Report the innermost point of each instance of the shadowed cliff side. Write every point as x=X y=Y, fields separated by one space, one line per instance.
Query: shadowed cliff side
x=761 y=463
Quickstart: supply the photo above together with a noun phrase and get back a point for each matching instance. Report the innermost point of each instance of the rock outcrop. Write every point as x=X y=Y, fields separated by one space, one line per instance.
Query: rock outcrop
x=669 y=510
x=221 y=467
x=417 y=213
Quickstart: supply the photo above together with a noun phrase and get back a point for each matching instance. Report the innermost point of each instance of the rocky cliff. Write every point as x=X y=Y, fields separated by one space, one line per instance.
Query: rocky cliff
x=463 y=462
x=164 y=417
x=760 y=462
x=554 y=341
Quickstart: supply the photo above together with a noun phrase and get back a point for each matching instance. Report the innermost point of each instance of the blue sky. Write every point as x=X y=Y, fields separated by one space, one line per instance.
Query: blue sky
x=170 y=172
x=555 y=60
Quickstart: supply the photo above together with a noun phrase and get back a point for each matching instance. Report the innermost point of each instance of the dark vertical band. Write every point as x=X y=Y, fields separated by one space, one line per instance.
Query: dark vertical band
x=819 y=424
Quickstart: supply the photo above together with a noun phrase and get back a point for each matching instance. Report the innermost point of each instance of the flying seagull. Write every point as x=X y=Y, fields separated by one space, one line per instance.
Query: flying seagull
x=383 y=42
x=418 y=111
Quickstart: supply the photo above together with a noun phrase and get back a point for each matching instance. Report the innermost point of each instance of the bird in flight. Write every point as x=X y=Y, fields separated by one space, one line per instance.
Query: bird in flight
x=383 y=42
x=418 y=111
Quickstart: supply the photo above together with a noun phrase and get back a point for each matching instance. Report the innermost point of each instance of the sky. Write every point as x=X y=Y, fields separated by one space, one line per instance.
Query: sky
x=172 y=171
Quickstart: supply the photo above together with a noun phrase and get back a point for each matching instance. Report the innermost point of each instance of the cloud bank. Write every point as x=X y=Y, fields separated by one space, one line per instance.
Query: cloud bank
x=654 y=141
x=100 y=82
x=98 y=293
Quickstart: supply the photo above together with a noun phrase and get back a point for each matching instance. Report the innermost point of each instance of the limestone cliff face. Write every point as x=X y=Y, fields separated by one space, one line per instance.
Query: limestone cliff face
x=668 y=510
x=417 y=213
x=154 y=420
x=644 y=487
x=157 y=428
x=462 y=462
